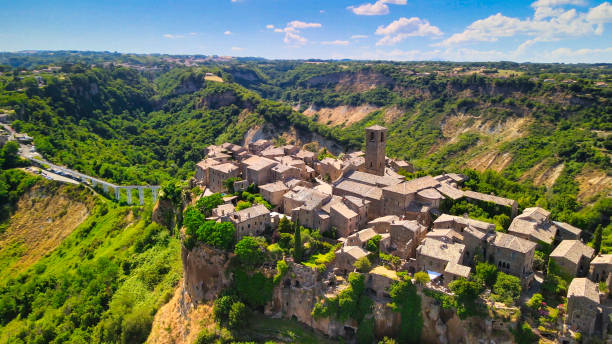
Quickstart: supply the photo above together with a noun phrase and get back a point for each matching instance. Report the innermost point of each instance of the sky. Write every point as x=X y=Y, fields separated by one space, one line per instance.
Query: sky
x=406 y=30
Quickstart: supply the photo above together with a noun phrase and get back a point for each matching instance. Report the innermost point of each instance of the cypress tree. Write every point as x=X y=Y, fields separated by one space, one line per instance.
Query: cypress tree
x=297 y=239
x=597 y=239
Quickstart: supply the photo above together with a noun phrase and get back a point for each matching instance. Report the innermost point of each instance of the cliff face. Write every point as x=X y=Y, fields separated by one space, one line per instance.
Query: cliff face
x=204 y=272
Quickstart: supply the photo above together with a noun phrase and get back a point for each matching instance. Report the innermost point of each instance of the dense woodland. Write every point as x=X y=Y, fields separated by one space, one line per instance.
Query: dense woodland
x=133 y=119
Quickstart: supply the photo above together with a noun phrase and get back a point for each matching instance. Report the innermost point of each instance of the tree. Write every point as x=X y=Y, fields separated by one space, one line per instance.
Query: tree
x=407 y=302
x=229 y=184
x=466 y=293
x=421 y=277
x=248 y=252
x=207 y=203
x=597 y=237
x=363 y=264
x=508 y=287
x=192 y=220
x=487 y=273
x=372 y=244
x=535 y=303
x=243 y=205
x=297 y=243
x=237 y=315
x=284 y=225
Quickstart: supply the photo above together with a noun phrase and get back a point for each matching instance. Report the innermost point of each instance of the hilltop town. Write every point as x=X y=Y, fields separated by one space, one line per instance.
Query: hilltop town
x=392 y=229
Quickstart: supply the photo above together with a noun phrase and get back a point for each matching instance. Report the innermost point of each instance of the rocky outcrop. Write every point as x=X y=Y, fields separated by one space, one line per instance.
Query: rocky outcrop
x=205 y=272
x=164 y=213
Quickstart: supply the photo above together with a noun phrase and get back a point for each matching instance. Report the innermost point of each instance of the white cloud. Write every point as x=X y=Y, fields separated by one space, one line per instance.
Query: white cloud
x=549 y=23
x=293 y=29
x=403 y=28
x=376 y=9
x=227 y=33
x=237 y=49
x=270 y=26
x=359 y=36
x=336 y=42
x=173 y=36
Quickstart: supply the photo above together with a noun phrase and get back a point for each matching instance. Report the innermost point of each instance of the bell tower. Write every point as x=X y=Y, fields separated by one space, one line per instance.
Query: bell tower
x=376 y=142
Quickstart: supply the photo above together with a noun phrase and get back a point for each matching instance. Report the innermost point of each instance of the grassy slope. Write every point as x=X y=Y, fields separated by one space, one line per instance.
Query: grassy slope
x=103 y=283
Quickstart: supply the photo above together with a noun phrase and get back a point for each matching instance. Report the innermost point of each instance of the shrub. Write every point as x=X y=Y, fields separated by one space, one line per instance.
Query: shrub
x=421 y=277
x=255 y=289
x=535 y=303
x=365 y=331
x=524 y=335
x=372 y=244
x=222 y=307
x=237 y=315
x=466 y=294
x=207 y=203
x=281 y=269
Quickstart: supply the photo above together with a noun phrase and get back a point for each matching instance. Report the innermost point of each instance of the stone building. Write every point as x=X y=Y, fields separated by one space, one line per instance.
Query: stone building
x=307 y=156
x=565 y=231
x=329 y=168
x=371 y=194
x=512 y=255
x=273 y=193
x=346 y=256
x=376 y=142
x=217 y=174
x=459 y=223
x=223 y=210
x=383 y=224
x=601 y=268
x=360 y=238
x=257 y=169
x=454 y=271
x=402 y=199
x=583 y=306
x=258 y=146
x=573 y=257
x=379 y=281
x=434 y=255
x=534 y=225
x=500 y=202
x=344 y=219
x=250 y=221
x=406 y=236
x=202 y=169
x=283 y=172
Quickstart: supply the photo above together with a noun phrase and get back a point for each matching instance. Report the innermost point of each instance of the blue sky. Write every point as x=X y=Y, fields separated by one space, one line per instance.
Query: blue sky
x=457 y=30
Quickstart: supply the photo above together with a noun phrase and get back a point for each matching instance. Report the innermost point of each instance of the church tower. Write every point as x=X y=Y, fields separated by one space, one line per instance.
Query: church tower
x=376 y=141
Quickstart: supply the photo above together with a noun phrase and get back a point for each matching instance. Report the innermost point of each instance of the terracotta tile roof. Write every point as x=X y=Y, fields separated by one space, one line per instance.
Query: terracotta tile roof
x=343 y=210
x=602 y=259
x=413 y=186
x=249 y=213
x=225 y=168
x=457 y=269
x=274 y=187
x=371 y=179
x=489 y=198
x=376 y=127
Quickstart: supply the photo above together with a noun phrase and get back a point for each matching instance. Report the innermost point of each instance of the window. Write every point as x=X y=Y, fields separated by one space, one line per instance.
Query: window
x=372 y=136
x=382 y=137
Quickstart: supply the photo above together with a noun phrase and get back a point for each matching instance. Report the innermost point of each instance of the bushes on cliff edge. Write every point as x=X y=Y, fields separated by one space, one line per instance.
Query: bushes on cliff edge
x=407 y=302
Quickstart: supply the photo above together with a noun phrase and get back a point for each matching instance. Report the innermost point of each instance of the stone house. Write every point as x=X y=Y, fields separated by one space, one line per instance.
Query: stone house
x=475 y=242
x=573 y=257
x=406 y=236
x=329 y=167
x=583 y=306
x=445 y=235
x=273 y=193
x=601 y=268
x=223 y=210
x=346 y=256
x=401 y=199
x=344 y=219
x=398 y=165
x=360 y=238
x=512 y=255
x=257 y=169
x=459 y=223
x=307 y=156
x=250 y=221
x=202 y=168
x=373 y=194
x=282 y=172
x=565 y=231
x=220 y=156
x=273 y=152
x=291 y=149
x=379 y=281
x=534 y=225
x=371 y=179
x=501 y=202
x=454 y=271
x=360 y=206
x=300 y=196
x=383 y=224
x=217 y=174
x=258 y=146
x=434 y=255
